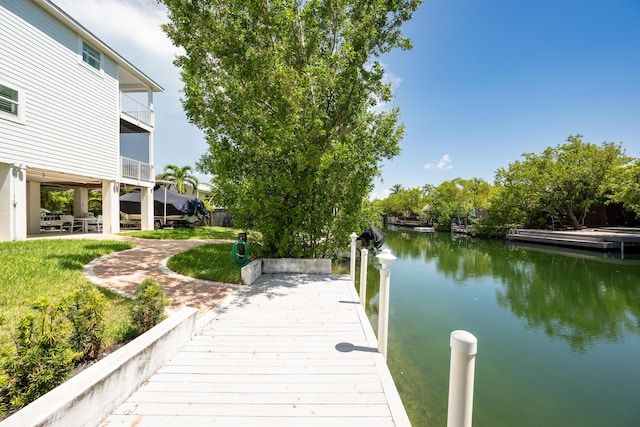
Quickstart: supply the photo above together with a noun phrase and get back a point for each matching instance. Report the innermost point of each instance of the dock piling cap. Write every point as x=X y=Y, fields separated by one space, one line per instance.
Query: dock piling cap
x=464 y=342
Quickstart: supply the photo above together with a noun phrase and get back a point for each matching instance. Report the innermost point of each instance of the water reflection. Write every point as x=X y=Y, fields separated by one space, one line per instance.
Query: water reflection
x=582 y=298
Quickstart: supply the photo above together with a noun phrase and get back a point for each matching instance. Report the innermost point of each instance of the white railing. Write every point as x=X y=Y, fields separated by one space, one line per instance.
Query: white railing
x=134 y=109
x=135 y=169
x=463 y=344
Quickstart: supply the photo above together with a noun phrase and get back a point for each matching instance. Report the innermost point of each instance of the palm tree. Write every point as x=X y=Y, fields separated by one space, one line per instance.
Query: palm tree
x=396 y=189
x=179 y=176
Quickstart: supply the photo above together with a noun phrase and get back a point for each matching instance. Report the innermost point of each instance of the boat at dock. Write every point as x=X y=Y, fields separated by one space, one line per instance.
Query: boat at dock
x=425 y=229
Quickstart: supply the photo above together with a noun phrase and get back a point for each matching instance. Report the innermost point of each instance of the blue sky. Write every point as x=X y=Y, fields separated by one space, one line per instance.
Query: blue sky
x=486 y=81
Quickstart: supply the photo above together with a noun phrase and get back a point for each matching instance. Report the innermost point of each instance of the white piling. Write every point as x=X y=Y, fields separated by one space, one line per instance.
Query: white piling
x=464 y=347
x=352 y=269
x=386 y=258
x=364 y=255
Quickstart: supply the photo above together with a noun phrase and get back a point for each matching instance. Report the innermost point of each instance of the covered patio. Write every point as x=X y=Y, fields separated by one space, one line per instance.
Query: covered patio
x=94 y=206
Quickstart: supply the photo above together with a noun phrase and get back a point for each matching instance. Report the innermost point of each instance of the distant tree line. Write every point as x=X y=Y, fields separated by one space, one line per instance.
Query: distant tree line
x=554 y=189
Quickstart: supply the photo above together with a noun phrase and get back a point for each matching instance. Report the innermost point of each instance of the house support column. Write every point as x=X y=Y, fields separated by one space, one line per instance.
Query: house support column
x=146 y=208
x=80 y=201
x=33 y=207
x=110 y=207
x=13 y=202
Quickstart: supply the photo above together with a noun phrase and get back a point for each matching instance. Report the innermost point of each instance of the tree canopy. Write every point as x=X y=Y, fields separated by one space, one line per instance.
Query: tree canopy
x=285 y=92
x=562 y=182
x=403 y=201
x=457 y=199
x=626 y=187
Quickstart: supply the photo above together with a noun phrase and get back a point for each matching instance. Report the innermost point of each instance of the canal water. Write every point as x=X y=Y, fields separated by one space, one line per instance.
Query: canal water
x=558 y=330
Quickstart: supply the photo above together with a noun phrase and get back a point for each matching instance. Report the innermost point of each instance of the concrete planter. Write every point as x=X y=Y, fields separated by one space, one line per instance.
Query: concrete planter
x=255 y=269
x=89 y=397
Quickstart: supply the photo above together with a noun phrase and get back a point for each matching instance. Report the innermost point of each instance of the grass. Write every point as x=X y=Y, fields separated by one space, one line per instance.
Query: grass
x=52 y=268
x=202 y=233
x=207 y=262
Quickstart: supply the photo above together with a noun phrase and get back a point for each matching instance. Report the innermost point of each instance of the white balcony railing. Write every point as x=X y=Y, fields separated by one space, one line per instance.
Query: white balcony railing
x=135 y=169
x=135 y=110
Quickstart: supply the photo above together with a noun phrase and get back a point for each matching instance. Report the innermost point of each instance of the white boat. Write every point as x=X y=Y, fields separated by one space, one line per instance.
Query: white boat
x=425 y=229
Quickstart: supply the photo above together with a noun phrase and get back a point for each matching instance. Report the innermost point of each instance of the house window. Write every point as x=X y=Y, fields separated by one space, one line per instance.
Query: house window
x=90 y=56
x=9 y=100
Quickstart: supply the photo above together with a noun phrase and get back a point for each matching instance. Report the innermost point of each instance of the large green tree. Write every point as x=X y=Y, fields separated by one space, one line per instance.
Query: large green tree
x=562 y=182
x=404 y=201
x=456 y=200
x=285 y=92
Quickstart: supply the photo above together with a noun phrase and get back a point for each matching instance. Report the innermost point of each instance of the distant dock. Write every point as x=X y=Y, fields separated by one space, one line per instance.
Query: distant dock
x=604 y=239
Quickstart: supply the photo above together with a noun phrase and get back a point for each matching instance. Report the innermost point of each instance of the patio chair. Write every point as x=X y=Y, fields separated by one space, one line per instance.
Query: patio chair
x=68 y=223
x=95 y=225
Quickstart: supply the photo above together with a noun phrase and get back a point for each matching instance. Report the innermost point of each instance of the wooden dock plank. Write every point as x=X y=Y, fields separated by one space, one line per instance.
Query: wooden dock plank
x=289 y=409
x=269 y=388
x=268 y=379
x=204 y=421
x=253 y=397
x=289 y=350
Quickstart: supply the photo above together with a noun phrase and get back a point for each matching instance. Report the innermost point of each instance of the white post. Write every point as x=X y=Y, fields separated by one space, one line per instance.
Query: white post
x=464 y=347
x=386 y=259
x=364 y=255
x=352 y=270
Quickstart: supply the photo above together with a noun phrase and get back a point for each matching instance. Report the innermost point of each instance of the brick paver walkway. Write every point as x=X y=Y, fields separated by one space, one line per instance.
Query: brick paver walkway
x=123 y=272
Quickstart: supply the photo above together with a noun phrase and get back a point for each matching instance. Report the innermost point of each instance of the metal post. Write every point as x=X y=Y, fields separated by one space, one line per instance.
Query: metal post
x=364 y=254
x=352 y=270
x=386 y=259
x=464 y=347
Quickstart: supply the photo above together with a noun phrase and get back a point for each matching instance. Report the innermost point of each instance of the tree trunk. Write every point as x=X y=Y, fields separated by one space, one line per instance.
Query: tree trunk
x=574 y=221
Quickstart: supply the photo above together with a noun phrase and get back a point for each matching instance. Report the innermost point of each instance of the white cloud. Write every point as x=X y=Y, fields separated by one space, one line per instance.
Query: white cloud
x=444 y=164
x=381 y=196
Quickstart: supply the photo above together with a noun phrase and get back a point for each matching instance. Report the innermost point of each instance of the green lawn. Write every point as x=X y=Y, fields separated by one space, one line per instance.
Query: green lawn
x=207 y=262
x=51 y=268
x=203 y=233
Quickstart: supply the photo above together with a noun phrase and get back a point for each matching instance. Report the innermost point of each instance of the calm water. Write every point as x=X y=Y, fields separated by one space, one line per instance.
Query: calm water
x=558 y=331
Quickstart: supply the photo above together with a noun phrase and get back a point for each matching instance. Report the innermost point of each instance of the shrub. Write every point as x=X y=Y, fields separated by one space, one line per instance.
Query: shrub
x=43 y=358
x=4 y=378
x=151 y=301
x=85 y=308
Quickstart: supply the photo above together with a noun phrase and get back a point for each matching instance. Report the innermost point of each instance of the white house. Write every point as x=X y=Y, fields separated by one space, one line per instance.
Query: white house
x=68 y=107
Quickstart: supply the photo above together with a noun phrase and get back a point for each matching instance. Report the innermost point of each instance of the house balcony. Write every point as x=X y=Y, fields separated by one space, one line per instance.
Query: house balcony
x=135 y=112
x=136 y=170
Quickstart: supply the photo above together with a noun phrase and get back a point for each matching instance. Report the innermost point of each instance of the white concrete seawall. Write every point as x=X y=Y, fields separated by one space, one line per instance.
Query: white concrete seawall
x=88 y=397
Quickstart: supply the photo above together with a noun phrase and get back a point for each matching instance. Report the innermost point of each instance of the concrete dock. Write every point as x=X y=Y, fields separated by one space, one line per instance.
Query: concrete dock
x=607 y=239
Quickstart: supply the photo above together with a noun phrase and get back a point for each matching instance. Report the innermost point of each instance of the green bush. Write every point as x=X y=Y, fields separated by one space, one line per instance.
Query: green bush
x=85 y=308
x=43 y=358
x=4 y=378
x=151 y=302
x=51 y=339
